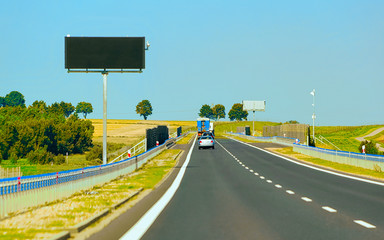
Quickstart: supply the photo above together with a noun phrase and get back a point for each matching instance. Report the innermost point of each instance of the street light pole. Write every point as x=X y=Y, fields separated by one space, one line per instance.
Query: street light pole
x=313 y=115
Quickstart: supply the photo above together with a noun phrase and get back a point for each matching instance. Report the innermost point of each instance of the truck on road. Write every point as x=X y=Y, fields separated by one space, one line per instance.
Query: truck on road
x=203 y=125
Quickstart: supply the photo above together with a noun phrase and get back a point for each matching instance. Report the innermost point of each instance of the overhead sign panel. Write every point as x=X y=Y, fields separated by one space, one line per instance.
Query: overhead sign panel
x=105 y=52
x=253 y=105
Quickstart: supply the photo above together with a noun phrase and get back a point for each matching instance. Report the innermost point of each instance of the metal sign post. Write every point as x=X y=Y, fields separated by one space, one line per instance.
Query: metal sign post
x=105 y=74
x=253 y=106
x=102 y=55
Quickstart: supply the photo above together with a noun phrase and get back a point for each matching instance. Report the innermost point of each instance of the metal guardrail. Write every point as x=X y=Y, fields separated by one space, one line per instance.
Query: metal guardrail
x=280 y=140
x=18 y=193
x=138 y=148
x=360 y=156
x=368 y=161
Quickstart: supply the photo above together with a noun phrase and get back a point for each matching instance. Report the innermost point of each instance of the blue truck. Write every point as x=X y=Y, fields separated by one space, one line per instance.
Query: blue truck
x=203 y=125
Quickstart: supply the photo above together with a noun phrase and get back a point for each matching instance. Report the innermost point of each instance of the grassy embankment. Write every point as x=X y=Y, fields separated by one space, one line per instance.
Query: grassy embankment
x=120 y=133
x=345 y=137
x=47 y=221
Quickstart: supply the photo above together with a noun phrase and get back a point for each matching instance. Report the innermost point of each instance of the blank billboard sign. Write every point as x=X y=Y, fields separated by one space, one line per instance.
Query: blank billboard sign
x=253 y=105
x=105 y=52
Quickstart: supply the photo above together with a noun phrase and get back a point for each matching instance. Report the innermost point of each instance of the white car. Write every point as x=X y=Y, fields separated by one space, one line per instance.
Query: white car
x=206 y=142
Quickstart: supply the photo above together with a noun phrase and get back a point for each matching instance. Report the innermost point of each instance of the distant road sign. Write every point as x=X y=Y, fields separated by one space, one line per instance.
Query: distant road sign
x=253 y=105
x=105 y=52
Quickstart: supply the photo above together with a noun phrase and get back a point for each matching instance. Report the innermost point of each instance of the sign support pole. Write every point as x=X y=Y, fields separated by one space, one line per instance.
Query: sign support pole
x=253 y=123
x=105 y=74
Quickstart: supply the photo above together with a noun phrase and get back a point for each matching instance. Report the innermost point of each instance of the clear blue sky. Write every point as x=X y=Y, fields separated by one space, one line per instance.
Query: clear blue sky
x=207 y=52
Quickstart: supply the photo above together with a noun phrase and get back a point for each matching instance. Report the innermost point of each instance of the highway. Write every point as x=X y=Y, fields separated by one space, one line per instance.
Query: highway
x=240 y=192
x=254 y=195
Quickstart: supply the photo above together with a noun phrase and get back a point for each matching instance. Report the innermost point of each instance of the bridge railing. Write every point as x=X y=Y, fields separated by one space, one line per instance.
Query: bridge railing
x=20 y=193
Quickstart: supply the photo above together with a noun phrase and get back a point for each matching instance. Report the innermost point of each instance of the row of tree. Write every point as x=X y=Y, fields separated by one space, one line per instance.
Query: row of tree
x=16 y=99
x=218 y=111
x=40 y=132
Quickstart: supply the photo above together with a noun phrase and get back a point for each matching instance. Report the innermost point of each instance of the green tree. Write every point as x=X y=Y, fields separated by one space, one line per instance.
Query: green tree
x=292 y=122
x=144 y=108
x=218 y=111
x=237 y=112
x=68 y=108
x=370 y=147
x=84 y=108
x=206 y=111
x=2 y=102
x=14 y=99
x=62 y=108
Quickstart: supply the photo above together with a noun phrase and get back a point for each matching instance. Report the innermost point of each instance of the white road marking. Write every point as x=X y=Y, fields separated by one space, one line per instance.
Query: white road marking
x=262 y=177
x=306 y=199
x=312 y=167
x=251 y=170
x=256 y=173
x=247 y=168
x=278 y=186
x=269 y=181
x=329 y=209
x=364 y=224
x=290 y=192
x=139 y=229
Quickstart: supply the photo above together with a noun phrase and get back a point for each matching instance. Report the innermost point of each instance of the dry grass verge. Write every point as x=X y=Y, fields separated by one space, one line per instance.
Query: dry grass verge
x=47 y=221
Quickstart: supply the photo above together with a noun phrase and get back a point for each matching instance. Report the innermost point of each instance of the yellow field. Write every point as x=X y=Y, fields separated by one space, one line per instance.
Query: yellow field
x=131 y=131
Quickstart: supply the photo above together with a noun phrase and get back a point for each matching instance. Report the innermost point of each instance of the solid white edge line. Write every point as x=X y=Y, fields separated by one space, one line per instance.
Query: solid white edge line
x=329 y=209
x=312 y=167
x=146 y=221
x=364 y=224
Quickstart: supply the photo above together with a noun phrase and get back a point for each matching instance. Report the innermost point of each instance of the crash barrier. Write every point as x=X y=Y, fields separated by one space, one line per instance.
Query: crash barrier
x=133 y=151
x=368 y=161
x=19 y=193
x=280 y=140
x=156 y=136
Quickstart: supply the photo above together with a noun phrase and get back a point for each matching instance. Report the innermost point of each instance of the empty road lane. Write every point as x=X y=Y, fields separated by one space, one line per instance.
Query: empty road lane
x=239 y=192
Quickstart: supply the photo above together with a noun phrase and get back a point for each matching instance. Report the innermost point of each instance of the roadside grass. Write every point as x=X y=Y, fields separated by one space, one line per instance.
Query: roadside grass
x=222 y=127
x=345 y=137
x=329 y=164
x=74 y=161
x=44 y=222
x=244 y=139
x=186 y=139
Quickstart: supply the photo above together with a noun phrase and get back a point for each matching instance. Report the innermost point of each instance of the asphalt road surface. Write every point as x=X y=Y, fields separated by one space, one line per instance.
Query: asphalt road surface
x=239 y=192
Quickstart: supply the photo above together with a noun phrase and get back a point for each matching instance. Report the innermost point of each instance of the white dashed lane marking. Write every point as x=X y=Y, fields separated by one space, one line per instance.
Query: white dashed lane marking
x=306 y=199
x=329 y=209
x=364 y=224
